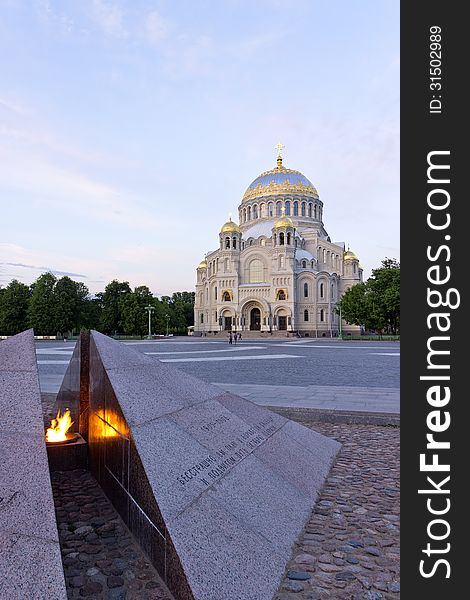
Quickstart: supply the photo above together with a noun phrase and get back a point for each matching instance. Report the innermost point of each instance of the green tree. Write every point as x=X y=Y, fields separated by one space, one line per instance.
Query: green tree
x=42 y=306
x=91 y=315
x=134 y=315
x=185 y=303
x=111 y=314
x=354 y=309
x=376 y=303
x=384 y=292
x=70 y=301
x=14 y=302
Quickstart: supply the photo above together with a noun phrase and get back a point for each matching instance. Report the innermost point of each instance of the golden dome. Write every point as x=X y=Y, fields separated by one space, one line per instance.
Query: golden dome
x=202 y=264
x=280 y=181
x=349 y=255
x=283 y=221
x=230 y=227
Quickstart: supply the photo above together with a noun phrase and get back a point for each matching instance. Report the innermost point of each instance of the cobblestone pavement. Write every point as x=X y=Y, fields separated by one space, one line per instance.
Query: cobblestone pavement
x=349 y=549
x=100 y=557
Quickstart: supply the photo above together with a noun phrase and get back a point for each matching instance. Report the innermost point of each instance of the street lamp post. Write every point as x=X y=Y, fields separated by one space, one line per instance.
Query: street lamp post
x=340 y=324
x=149 y=309
x=167 y=324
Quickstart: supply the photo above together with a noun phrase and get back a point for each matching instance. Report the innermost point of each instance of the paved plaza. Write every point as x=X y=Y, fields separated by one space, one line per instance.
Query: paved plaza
x=319 y=374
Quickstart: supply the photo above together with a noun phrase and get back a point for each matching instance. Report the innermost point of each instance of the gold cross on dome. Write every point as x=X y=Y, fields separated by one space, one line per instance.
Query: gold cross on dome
x=279 y=148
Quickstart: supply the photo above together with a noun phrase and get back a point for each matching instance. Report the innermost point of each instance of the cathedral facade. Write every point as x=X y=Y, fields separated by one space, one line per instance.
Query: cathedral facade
x=278 y=270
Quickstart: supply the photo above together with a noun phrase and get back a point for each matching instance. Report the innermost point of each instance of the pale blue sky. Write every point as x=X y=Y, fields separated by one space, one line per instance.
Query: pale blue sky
x=129 y=129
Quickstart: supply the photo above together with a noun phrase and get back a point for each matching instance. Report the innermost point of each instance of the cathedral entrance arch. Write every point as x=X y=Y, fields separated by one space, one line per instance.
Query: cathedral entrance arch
x=227 y=320
x=255 y=319
x=282 y=318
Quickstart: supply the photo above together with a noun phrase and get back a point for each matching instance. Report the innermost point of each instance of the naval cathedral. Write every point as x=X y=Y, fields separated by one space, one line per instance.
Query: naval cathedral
x=278 y=270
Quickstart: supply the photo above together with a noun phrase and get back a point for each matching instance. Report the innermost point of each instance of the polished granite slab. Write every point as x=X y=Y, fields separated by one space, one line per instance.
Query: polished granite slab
x=215 y=488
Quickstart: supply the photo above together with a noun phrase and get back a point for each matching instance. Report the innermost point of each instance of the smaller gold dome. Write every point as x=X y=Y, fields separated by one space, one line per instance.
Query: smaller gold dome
x=202 y=264
x=349 y=255
x=284 y=221
x=230 y=227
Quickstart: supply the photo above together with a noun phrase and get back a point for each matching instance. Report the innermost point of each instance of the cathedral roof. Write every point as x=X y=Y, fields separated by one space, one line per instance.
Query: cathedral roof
x=283 y=221
x=301 y=254
x=349 y=255
x=230 y=227
x=263 y=228
x=280 y=181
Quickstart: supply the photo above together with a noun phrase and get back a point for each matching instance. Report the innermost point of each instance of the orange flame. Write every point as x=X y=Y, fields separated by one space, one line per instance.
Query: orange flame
x=59 y=427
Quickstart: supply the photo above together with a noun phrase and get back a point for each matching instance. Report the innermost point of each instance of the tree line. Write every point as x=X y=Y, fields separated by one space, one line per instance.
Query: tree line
x=375 y=304
x=61 y=306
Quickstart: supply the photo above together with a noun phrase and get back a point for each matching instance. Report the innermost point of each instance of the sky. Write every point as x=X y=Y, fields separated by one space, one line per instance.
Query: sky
x=130 y=129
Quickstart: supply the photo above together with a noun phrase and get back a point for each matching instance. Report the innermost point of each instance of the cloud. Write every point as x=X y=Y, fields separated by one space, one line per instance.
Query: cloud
x=156 y=28
x=48 y=269
x=14 y=107
x=109 y=17
x=66 y=189
x=49 y=16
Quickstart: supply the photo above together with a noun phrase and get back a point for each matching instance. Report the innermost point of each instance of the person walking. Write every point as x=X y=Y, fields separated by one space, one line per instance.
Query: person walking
x=230 y=338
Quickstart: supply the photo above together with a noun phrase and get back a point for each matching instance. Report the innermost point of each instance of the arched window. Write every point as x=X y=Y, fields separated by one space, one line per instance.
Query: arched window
x=332 y=291
x=303 y=209
x=278 y=208
x=281 y=239
x=256 y=271
x=309 y=209
x=249 y=213
x=227 y=242
x=234 y=242
x=324 y=255
x=255 y=212
x=251 y=242
x=244 y=215
x=355 y=268
x=322 y=290
x=262 y=210
x=304 y=264
x=215 y=293
x=296 y=209
x=275 y=239
x=289 y=238
x=315 y=211
x=305 y=290
x=305 y=315
x=207 y=294
x=226 y=297
x=322 y=315
x=263 y=242
x=270 y=209
x=288 y=207
x=202 y=317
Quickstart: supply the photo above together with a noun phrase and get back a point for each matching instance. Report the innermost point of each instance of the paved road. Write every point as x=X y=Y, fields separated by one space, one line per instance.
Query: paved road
x=329 y=374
